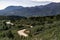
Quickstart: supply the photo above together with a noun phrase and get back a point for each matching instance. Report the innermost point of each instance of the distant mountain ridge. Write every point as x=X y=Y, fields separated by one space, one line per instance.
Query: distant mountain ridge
x=46 y=10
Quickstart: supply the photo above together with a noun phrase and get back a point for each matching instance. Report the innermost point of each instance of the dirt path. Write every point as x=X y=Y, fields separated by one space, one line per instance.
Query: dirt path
x=22 y=33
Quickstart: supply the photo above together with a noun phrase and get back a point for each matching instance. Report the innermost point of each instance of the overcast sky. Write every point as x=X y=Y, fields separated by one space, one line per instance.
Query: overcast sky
x=25 y=3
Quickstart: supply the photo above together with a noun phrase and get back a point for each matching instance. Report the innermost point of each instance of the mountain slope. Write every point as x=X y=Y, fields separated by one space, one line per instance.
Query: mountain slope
x=46 y=10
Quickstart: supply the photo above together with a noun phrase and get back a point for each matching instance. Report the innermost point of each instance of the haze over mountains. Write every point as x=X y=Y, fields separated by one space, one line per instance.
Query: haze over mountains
x=43 y=10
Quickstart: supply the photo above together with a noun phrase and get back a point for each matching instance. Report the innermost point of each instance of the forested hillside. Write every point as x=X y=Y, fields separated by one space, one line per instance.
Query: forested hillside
x=44 y=28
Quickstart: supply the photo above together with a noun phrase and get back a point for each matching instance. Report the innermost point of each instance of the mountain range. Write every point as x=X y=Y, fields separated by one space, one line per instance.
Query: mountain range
x=42 y=10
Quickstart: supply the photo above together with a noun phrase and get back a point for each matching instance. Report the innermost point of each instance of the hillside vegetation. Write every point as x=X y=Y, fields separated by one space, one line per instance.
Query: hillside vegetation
x=44 y=28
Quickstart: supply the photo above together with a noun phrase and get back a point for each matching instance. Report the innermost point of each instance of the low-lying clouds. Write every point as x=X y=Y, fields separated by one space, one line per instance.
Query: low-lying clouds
x=25 y=3
x=46 y=0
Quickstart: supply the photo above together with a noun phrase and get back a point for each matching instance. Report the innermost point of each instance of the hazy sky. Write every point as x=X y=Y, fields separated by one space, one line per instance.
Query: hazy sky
x=25 y=3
